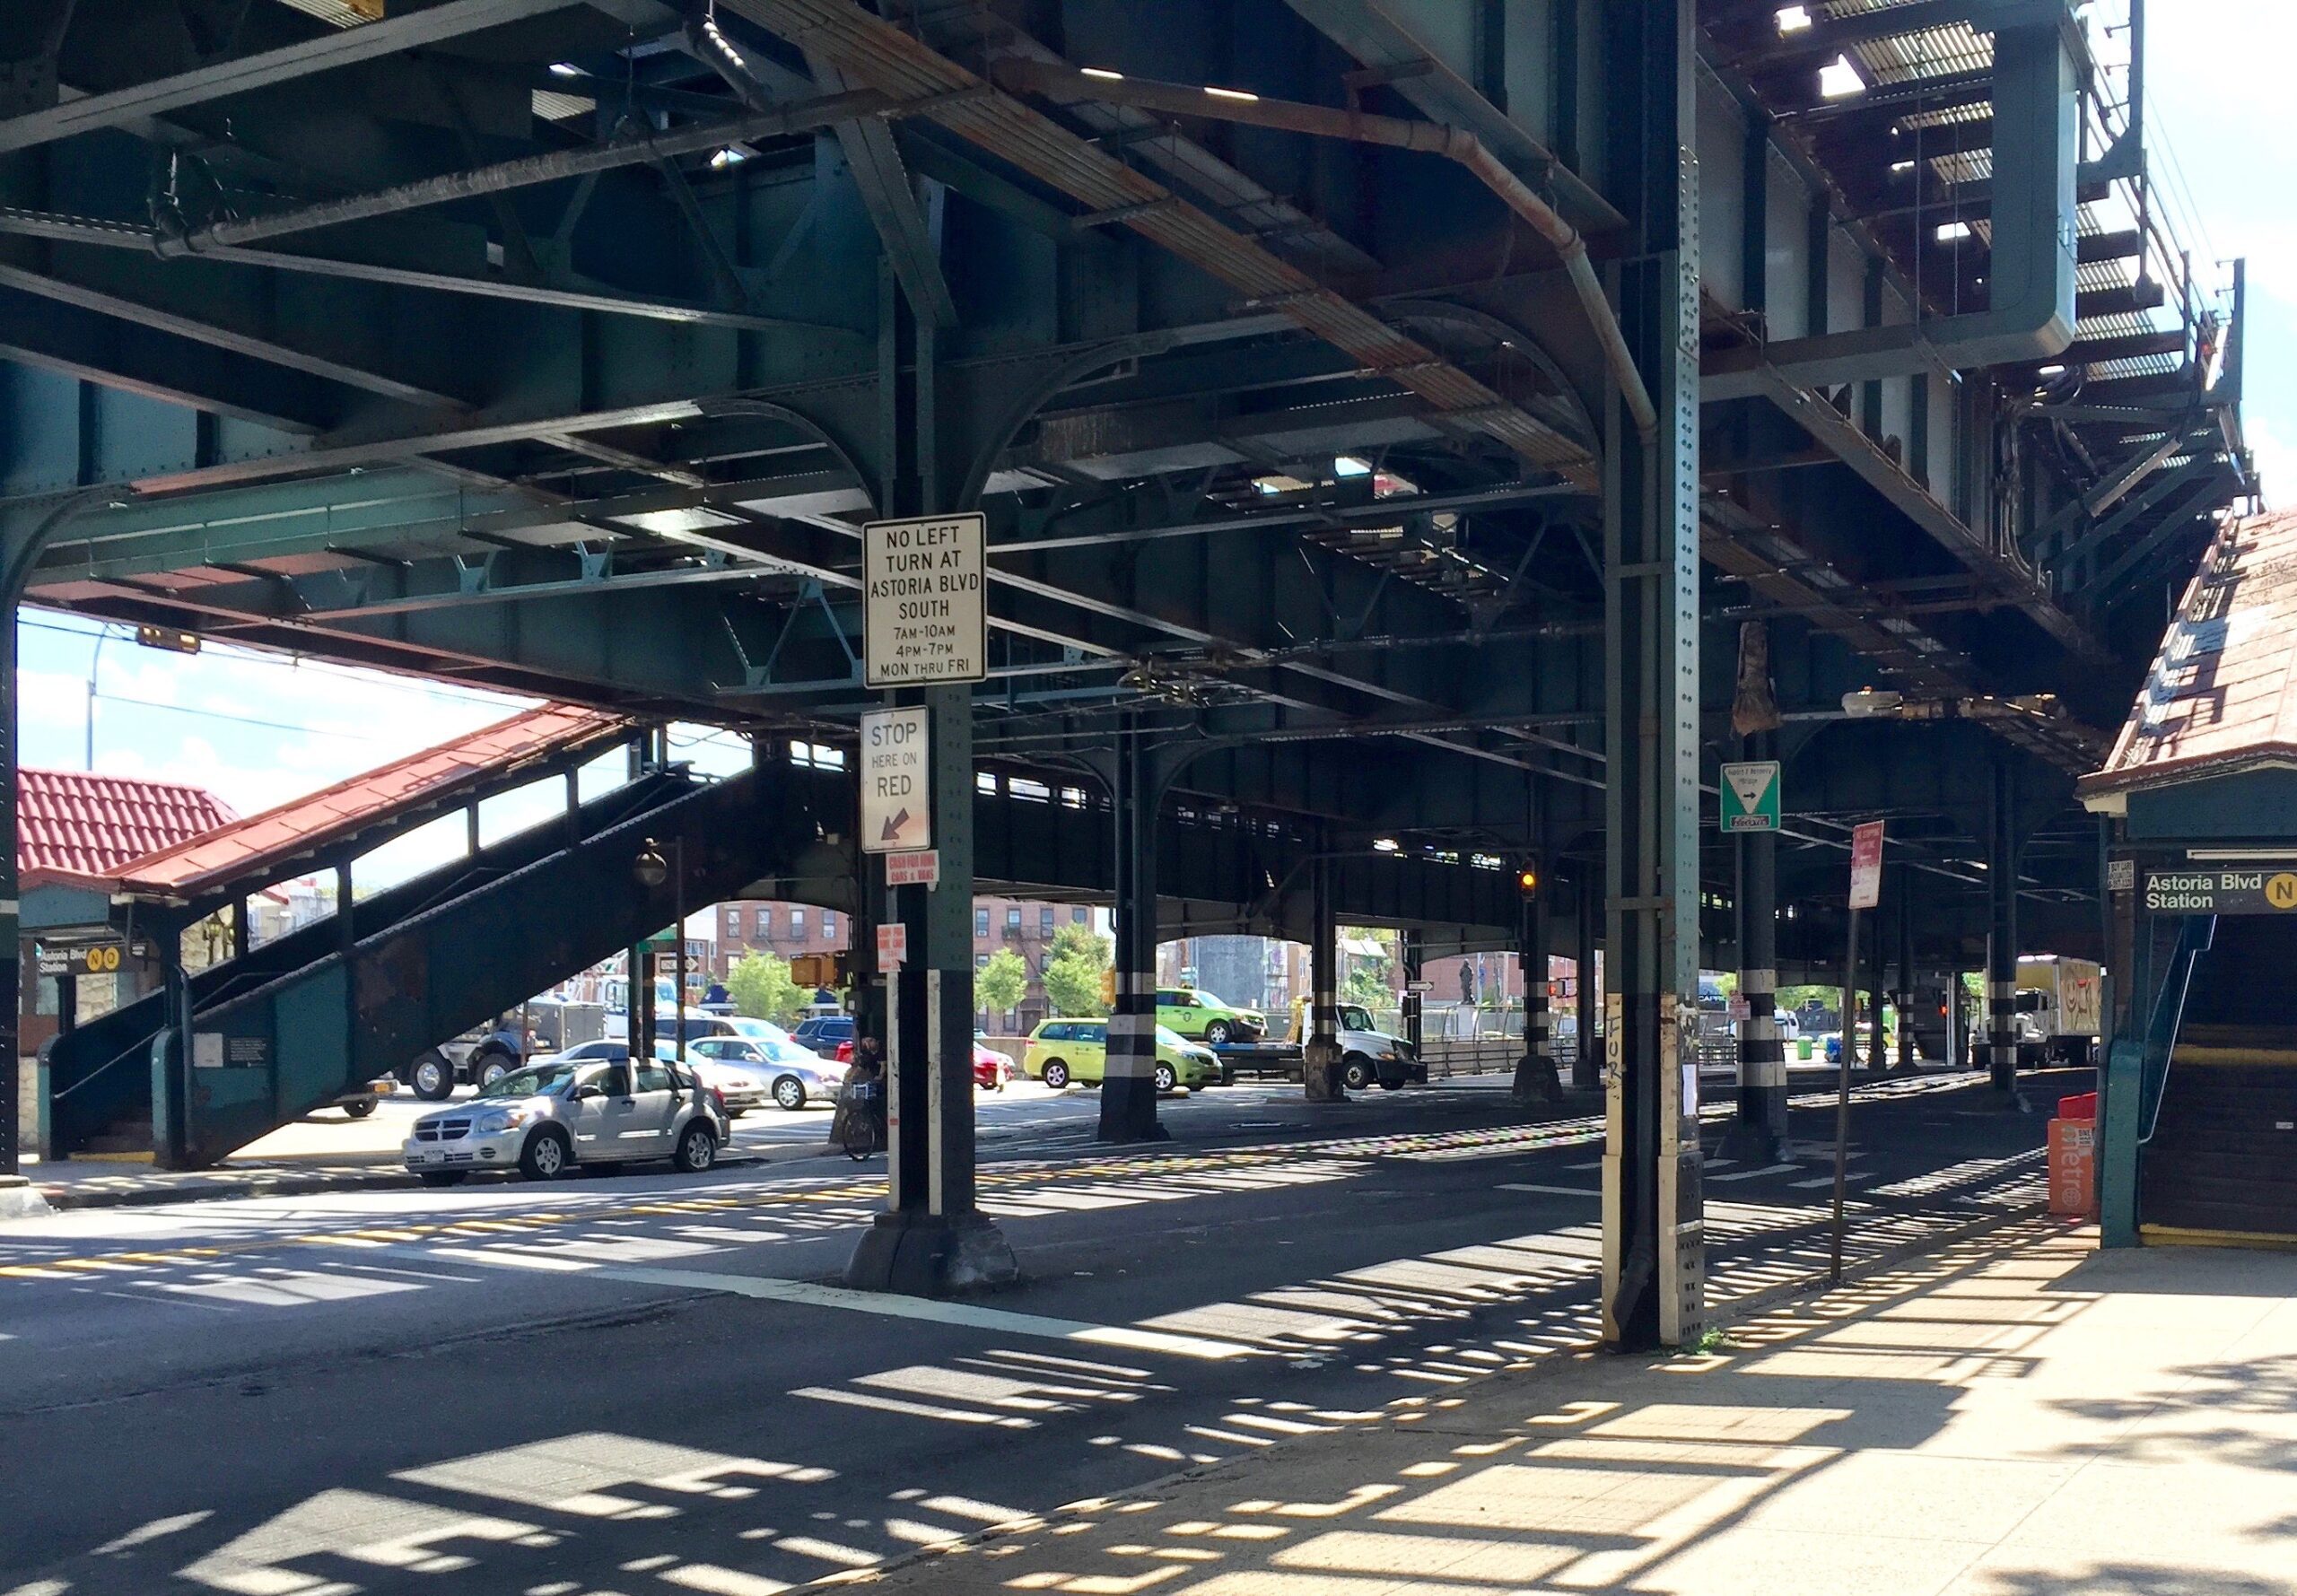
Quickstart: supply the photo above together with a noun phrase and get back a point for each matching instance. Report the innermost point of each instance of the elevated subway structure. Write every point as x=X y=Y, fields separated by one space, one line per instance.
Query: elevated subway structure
x=1323 y=492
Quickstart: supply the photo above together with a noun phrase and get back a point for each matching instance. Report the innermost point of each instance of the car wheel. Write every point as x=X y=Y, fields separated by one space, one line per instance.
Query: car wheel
x=789 y=1092
x=1356 y=1072
x=496 y=1066
x=442 y=1177
x=698 y=1148
x=545 y=1155
x=1056 y=1075
x=1218 y=1034
x=433 y=1077
x=359 y=1108
x=1165 y=1079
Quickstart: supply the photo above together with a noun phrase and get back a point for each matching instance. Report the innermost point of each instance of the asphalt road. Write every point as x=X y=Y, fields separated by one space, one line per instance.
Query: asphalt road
x=639 y=1384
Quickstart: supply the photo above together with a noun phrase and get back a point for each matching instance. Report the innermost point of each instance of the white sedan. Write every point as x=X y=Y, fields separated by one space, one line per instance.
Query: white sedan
x=792 y=1076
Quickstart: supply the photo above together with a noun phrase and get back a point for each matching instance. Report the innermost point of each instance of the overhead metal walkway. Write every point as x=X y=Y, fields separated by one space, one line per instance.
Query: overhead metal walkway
x=291 y=1025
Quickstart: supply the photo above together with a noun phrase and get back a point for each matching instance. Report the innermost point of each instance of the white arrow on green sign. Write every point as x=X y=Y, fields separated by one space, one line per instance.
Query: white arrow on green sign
x=1750 y=797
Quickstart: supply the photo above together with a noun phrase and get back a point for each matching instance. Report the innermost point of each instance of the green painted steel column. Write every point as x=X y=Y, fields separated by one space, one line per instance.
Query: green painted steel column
x=1654 y=1245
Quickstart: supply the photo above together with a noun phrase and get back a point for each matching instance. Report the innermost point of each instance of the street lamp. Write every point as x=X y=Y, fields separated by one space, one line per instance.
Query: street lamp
x=652 y=869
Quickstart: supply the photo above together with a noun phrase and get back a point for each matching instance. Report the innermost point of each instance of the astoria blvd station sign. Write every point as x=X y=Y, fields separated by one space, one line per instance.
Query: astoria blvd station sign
x=2222 y=892
x=926 y=618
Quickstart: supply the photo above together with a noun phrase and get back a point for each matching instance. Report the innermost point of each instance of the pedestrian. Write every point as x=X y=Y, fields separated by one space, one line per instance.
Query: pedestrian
x=868 y=1067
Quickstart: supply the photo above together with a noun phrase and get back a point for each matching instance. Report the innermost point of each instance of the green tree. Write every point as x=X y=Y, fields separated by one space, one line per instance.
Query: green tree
x=1369 y=980
x=999 y=986
x=1073 y=966
x=760 y=985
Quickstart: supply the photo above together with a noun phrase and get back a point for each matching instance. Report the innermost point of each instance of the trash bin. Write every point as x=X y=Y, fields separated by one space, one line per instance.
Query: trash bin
x=1802 y=1049
x=2074 y=1157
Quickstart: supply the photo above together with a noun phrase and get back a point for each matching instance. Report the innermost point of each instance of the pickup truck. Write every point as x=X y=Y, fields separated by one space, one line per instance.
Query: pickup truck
x=478 y=1057
x=1369 y=1057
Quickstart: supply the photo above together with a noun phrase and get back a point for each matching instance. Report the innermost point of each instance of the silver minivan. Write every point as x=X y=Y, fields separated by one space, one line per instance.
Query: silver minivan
x=551 y=1115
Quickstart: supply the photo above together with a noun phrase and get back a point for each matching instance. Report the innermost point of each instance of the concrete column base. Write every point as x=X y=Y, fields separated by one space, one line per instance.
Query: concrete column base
x=1319 y=1071
x=1536 y=1080
x=911 y=1254
x=1746 y=1142
x=20 y=1200
x=1129 y=1111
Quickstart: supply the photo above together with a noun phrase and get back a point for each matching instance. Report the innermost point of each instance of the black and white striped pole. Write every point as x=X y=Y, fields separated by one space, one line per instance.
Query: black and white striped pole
x=1129 y=1083
x=2002 y=939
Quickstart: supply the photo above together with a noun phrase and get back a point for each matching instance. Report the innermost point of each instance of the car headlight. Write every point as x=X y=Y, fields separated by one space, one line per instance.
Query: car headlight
x=1388 y=1055
x=496 y=1121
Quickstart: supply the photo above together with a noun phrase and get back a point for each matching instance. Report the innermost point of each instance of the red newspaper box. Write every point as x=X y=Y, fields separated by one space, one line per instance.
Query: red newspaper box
x=2074 y=1158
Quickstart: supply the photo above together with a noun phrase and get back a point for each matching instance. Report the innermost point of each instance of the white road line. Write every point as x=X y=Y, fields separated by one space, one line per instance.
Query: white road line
x=1591 y=1164
x=1749 y=1174
x=1822 y=1181
x=1550 y=1191
x=967 y=1315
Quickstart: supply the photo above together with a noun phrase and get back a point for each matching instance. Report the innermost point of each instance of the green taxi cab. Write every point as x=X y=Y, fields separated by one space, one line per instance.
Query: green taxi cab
x=1199 y=1014
x=1063 y=1050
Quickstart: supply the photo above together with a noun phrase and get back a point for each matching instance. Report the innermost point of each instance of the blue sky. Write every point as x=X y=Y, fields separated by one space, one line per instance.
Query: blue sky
x=259 y=729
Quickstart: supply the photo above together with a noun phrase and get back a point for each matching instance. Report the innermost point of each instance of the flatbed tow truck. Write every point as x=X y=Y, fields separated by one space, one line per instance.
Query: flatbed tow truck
x=1369 y=1056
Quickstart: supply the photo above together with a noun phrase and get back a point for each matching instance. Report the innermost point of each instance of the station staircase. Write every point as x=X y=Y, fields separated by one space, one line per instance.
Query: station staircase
x=305 y=1019
x=2222 y=1154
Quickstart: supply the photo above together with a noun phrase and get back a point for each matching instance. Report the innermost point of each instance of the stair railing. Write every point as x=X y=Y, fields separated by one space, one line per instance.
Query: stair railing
x=2195 y=938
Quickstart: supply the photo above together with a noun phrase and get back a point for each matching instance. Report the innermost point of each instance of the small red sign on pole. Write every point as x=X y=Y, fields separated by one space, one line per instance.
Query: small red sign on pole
x=1867 y=865
x=893 y=948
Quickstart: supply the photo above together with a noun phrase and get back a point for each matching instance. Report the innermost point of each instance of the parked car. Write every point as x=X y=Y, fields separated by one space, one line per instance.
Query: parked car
x=1199 y=1014
x=547 y=1117
x=823 y=1032
x=1063 y=1050
x=782 y=1071
x=991 y=1068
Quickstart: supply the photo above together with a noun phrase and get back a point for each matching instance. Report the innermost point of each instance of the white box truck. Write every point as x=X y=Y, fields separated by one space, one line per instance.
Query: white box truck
x=2060 y=1011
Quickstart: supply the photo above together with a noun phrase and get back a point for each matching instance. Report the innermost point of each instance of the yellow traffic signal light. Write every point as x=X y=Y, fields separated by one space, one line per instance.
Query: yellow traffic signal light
x=1528 y=879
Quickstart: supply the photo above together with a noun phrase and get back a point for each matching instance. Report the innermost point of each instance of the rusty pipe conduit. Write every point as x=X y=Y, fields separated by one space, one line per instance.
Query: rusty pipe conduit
x=1434 y=138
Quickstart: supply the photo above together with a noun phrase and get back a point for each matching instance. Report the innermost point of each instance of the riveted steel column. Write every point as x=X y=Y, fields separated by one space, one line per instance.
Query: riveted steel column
x=1654 y=1244
x=2002 y=939
x=1758 y=1130
x=931 y=1240
x=1411 y=950
x=1320 y=1058
x=1129 y=1086
x=1906 y=969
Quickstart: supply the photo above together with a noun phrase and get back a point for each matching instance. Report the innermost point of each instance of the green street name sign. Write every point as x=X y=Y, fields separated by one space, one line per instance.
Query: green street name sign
x=1750 y=797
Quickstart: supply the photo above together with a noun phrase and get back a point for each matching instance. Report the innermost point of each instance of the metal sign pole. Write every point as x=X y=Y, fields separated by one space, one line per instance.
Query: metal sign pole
x=1842 y=1098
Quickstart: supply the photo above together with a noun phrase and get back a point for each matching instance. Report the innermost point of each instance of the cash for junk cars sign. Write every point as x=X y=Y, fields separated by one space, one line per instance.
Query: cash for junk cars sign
x=926 y=616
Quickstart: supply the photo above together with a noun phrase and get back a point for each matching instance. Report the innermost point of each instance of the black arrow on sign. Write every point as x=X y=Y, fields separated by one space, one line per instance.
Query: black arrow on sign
x=893 y=826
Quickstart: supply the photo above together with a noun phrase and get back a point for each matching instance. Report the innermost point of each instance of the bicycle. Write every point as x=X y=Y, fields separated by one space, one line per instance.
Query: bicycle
x=861 y=1135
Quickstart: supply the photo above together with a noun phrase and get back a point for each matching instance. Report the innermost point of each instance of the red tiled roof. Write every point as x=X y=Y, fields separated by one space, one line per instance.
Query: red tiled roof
x=2222 y=693
x=187 y=868
x=75 y=824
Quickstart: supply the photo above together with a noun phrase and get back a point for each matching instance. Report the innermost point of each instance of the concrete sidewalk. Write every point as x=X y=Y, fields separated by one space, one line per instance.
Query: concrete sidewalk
x=2016 y=1415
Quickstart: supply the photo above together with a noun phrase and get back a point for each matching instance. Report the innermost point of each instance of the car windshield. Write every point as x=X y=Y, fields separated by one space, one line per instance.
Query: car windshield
x=1355 y=1017
x=759 y=1031
x=1165 y=1038
x=543 y=1080
x=789 y=1052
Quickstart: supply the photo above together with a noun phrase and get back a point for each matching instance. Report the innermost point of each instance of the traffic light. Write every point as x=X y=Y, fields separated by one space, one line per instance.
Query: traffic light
x=1527 y=880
